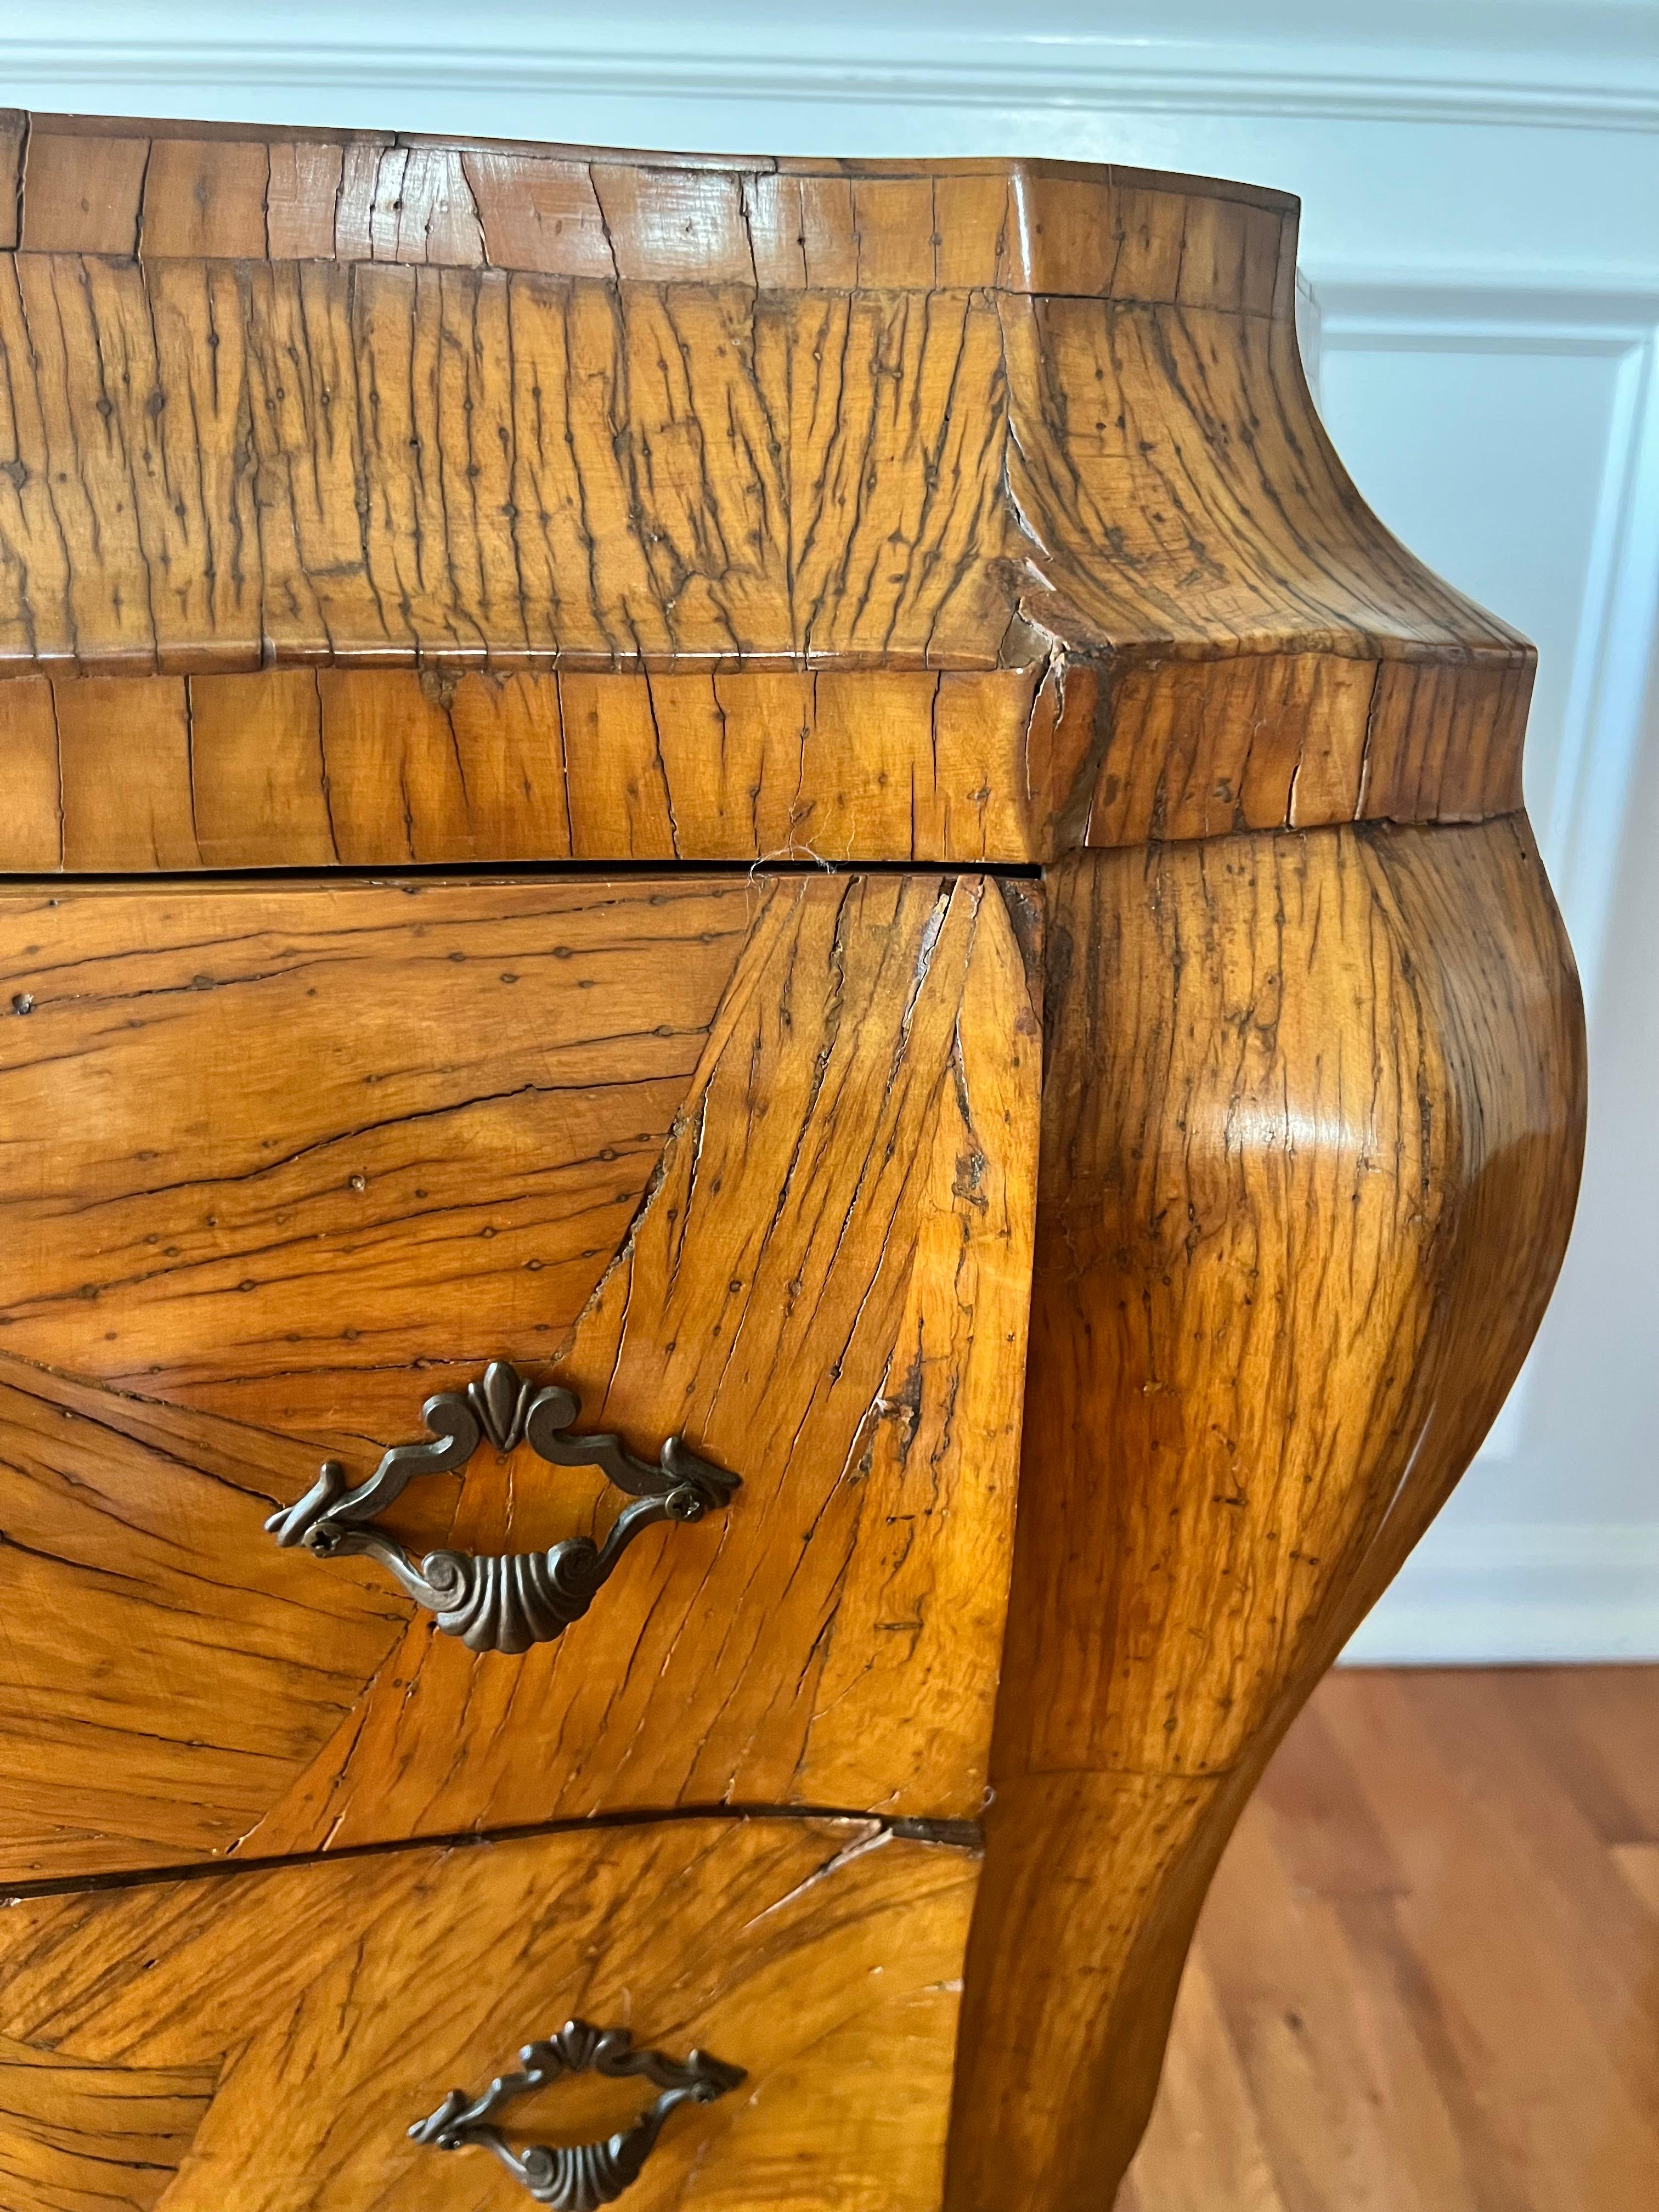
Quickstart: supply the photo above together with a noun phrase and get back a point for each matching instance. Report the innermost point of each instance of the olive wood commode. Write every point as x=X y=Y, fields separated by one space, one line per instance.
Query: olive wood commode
x=677 y=831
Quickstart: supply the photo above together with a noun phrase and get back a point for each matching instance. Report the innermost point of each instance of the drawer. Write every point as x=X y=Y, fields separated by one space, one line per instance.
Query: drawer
x=744 y=1162
x=265 y=2040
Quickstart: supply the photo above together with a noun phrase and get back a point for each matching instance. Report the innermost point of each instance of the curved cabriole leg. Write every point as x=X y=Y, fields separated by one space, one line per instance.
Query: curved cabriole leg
x=1312 y=1126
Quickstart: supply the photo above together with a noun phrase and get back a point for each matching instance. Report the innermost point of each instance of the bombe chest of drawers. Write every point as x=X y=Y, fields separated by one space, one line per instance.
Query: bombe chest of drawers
x=783 y=1076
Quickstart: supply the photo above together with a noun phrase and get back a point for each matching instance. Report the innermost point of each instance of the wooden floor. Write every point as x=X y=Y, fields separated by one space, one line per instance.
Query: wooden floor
x=1427 y=1977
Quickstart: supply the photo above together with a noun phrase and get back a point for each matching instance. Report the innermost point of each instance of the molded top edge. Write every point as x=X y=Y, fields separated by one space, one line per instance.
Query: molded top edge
x=1006 y=166
x=130 y=190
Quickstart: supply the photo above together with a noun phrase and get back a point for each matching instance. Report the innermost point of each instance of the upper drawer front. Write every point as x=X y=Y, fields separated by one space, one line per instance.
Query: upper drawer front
x=264 y=2042
x=747 y=1162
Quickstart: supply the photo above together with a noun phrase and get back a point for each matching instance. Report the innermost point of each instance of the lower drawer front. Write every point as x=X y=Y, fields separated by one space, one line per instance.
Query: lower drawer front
x=263 y=2041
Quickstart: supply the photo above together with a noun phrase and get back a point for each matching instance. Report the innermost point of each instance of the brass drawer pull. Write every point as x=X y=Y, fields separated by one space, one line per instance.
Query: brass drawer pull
x=591 y=2174
x=511 y=1601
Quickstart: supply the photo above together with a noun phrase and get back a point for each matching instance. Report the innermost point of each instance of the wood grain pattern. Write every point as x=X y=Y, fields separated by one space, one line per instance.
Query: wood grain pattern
x=1313 y=1114
x=384 y=503
x=312 y=767
x=166 y=1672
x=287 y=1151
x=1424 y=1978
x=317 y=2011
x=825 y=1290
x=1031 y=439
x=790 y=223
x=69 y=2127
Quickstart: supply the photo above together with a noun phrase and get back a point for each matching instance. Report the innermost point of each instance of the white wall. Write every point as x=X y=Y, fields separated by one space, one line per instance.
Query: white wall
x=1481 y=224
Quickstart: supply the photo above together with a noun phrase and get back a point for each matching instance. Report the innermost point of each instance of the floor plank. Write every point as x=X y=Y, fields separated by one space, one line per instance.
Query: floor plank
x=1206 y=2108
x=1427 y=1977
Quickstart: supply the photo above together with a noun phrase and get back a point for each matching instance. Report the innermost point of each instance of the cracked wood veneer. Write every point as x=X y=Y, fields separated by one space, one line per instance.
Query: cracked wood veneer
x=221 y=1260
x=562 y=493
x=388 y=503
x=312 y=1151
x=263 y=2043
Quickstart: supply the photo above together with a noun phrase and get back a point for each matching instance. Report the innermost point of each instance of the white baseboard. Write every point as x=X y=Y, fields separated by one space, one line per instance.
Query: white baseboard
x=1511 y=1594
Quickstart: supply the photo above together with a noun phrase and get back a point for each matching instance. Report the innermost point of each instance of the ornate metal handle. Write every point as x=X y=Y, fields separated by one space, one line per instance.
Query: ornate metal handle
x=591 y=2174
x=507 y=1602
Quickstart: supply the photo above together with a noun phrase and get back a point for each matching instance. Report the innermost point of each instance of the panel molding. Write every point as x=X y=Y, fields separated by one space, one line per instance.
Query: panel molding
x=1493 y=1591
x=1551 y=72
x=1617 y=648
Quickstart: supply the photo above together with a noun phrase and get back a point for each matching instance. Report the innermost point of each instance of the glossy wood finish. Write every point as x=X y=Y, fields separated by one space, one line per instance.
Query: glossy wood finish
x=1027 y=445
x=312 y=767
x=824 y=1288
x=1424 y=1976
x=316 y=1150
x=265 y=2041
x=1312 y=1119
x=382 y=503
